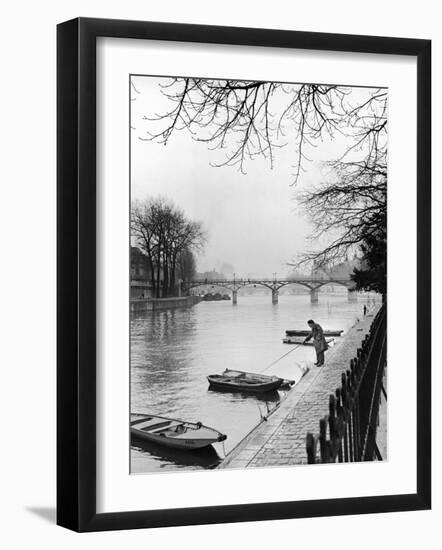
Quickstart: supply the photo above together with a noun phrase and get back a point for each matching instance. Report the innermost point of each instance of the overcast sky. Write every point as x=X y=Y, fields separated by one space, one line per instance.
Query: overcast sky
x=253 y=221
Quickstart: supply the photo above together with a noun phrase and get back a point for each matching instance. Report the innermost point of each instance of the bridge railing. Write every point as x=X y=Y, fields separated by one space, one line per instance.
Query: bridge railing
x=348 y=432
x=269 y=279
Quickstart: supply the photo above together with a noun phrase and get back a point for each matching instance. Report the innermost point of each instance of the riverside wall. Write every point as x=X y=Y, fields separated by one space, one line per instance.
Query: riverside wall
x=155 y=304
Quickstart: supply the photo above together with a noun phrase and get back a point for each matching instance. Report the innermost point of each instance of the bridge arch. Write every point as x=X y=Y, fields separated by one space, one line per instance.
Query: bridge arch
x=346 y=284
x=213 y=284
x=300 y=283
x=314 y=286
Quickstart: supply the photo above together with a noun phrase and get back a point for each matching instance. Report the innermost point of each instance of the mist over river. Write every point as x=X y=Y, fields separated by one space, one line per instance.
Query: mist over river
x=172 y=352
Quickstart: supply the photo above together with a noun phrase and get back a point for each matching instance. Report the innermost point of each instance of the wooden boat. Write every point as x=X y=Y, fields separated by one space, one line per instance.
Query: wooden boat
x=173 y=433
x=307 y=332
x=300 y=340
x=236 y=380
x=286 y=383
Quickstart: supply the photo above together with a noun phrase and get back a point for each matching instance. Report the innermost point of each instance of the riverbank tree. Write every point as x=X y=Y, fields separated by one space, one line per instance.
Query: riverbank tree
x=354 y=209
x=246 y=119
x=169 y=241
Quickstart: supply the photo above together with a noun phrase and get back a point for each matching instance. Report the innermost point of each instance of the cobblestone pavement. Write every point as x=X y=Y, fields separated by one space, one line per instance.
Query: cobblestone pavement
x=280 y=440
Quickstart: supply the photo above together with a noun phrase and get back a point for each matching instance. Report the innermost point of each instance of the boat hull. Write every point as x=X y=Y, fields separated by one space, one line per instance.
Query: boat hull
x=286 y=383
x=185 y=445
x=194 y=435
x=300 y=341
x=307 y=332
x=226 y=383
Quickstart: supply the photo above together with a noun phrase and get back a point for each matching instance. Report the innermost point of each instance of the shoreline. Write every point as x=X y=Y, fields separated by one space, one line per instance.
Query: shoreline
x=156 y=304
x=280 y=439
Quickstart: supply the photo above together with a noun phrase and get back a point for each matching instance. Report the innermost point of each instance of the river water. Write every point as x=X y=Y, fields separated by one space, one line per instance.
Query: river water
x=172 y=352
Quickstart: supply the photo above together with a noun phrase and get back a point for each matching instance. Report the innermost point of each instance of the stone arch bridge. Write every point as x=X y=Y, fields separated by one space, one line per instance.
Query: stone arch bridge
x=313 y=284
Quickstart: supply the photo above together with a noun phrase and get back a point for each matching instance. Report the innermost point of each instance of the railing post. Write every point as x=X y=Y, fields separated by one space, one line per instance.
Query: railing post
x=323 y=440
x=355 y=367
x=341 y=423
x=344 y=397
x=350 y=416
x=311 y=449
x=333 y=428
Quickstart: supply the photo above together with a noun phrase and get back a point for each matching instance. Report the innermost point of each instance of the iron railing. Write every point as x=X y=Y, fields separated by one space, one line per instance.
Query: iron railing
x=348 y=432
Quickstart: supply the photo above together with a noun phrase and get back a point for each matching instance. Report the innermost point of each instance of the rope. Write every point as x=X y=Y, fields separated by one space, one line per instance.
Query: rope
x=282 y=356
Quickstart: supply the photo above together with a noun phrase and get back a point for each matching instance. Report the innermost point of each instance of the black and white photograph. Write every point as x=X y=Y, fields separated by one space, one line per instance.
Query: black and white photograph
x=258 y=273
x=218 y=263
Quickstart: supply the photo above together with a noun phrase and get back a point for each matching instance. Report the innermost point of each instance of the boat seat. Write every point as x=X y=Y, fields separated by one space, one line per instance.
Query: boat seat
x=170 y=427
x=152 y=426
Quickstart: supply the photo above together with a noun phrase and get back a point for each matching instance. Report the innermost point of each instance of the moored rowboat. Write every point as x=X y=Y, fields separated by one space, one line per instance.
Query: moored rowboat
x=307 y=332
x=235 y=380
x=173 y=433
x=300 y=340
x=286 y=383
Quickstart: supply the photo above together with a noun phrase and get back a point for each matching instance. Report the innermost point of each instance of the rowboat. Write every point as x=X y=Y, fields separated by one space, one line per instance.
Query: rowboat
x=307 y=332
x=236 y=380
x=300 y=340
x=286 y=383
x=176 y=434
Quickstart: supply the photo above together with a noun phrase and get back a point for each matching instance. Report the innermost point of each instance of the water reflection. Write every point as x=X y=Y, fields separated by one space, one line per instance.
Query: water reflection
x=164 y=457
x=238 y=396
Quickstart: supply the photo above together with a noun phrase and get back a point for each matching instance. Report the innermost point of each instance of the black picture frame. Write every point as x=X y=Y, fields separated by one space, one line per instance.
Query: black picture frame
x=76 y=274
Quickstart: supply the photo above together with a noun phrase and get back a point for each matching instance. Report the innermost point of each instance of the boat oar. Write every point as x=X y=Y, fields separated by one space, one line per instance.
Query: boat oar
x=282 y=356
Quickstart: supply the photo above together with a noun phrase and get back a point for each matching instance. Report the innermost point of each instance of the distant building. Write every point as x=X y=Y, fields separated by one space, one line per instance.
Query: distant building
x=139 y=266
x=140 y=274
x=210 y=276
x=339 y=271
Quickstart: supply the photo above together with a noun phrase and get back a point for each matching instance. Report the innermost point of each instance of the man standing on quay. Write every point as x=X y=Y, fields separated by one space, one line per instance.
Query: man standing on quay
x=318 y=341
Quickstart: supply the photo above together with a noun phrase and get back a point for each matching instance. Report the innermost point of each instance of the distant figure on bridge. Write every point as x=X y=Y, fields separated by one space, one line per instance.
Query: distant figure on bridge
x=318 y=341
x=365 y=310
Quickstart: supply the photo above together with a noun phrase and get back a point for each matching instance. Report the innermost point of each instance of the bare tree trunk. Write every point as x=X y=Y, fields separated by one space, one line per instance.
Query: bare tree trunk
x=173 y=275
